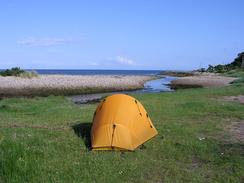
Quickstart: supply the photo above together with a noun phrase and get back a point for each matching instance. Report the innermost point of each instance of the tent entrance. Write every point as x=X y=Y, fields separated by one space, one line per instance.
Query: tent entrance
x=114 y=126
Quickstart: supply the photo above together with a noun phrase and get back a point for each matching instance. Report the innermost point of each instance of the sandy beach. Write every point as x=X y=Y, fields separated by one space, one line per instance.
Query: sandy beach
x=205 y=80
x=44 y=85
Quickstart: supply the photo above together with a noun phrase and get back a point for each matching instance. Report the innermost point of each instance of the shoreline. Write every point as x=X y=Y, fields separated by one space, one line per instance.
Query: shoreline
x=201 y=80
x=68 y=85
x=45 y=85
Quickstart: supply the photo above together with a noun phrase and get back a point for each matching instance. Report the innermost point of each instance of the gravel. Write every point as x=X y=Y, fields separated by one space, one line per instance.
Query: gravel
x=69 y=84
x=205 y=81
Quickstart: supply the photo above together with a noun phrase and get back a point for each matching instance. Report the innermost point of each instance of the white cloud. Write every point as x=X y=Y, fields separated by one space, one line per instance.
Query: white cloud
x=124 y=60
x=49 y=41
x=94 y=64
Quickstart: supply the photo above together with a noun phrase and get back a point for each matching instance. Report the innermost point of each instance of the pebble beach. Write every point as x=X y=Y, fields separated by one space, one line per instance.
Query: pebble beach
x=205 y=80
x=44 y=85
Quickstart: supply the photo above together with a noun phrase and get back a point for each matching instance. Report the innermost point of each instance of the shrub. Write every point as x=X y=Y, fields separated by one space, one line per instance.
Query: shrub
x=238 y=81
x=210 y=68
x=236 y=64
x=201 y=70
x=17 y=72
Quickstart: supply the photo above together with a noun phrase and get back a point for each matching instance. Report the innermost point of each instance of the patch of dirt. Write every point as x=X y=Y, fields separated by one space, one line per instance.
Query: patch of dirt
x=239 y=98
x=89 y=98
x=196 y=162
x=236 y=131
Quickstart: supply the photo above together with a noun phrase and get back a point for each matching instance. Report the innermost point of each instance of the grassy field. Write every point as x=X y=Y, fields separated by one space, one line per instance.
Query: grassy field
x=46 y=139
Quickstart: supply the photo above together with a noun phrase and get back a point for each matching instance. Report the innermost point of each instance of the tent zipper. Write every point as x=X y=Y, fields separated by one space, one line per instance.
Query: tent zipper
x=113 y=136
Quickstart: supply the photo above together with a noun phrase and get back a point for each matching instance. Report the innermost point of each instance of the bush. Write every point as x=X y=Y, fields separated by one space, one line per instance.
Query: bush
x=236 y=64
x=238 y=81
x=210 y=68
x=201 y=70
x=17 y=72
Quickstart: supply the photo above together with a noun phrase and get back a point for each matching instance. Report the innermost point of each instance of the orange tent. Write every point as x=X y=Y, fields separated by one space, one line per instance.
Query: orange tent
x=120 y=122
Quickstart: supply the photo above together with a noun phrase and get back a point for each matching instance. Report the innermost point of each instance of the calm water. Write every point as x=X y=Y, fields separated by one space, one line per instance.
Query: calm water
x=99 y=72
x=157 y=85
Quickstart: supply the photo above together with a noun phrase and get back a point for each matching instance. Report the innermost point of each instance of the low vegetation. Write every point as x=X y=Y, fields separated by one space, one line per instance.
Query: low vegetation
x=46 y=139
x=239 y=73
x=177 y=73
x=234 y=69
x=17 y=72
x=237 y=64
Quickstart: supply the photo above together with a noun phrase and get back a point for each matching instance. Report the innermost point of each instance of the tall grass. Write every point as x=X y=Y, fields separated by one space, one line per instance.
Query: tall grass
x=28 y=74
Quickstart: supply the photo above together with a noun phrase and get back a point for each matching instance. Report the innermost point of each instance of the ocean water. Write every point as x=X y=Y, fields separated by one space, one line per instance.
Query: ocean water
x=99 y=72
x=94 y=72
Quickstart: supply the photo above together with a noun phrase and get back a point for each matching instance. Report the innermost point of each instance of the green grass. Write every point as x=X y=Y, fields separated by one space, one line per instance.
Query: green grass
x=236 y=73
x=38 y=143
x=17 y=72
x=239 y=73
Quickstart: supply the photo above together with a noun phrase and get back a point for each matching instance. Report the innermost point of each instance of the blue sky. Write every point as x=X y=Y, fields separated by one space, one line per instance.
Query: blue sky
x=120 y=34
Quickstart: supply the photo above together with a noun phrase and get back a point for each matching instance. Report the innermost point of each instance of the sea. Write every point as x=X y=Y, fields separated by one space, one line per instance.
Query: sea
x=99 y=72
